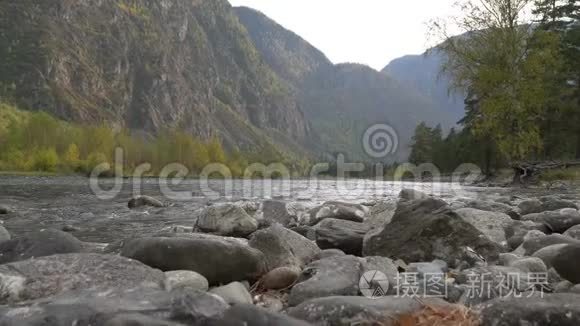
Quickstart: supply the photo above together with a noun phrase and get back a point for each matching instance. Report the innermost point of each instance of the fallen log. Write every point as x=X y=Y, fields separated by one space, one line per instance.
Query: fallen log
x=529 y=172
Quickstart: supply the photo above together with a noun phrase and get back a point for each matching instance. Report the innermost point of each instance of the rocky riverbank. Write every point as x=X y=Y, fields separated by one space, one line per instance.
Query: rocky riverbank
x=510 y=261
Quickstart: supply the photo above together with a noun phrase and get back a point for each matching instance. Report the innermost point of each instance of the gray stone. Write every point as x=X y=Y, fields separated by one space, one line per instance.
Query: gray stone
x=276 y=211
x=412 y=194
x=533 y=244
x=233 y=293
x=220 y=260
x=434 y=267
x=425 y=230
x=246 y=315
x=350 y=310
x=327 y=277
x=490 y=282
x=490 y=206
x=270 y=302
x=226 y=220
x=341 y=234
x=185 y=279
x=384 y=265
x=338 y=210
x=381 y=214
x=550 y=203
x=530 y=265
x=573 y=232
x=530 y=206
x=39 y=244
x=142 y=201
x=556 y=221
x=548 y=253
x=329 y=253
x=283 y=247
x=306 y=231
x=560 y=309
x=516 y=232
x=48 y=276
x=491 y=224
x=567 y=263
x=4 y=235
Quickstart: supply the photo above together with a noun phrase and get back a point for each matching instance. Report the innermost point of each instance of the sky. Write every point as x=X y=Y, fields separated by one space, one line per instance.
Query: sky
x=371 y=32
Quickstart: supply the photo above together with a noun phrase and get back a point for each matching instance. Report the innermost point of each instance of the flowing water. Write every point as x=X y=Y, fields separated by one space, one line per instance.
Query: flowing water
x=55 y=202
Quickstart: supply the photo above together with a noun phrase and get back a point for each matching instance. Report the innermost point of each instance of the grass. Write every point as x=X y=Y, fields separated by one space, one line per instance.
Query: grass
x=570 y=174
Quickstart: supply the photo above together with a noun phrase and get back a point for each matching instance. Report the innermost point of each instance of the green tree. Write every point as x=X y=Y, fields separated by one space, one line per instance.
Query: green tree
x=216 y=151
x=72 y=156
x=45 y=160
x=422 y=145
x=507 y=66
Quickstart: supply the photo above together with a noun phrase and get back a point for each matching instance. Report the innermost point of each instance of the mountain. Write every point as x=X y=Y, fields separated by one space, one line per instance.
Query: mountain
x=422 y=72
x=341 y=101
x=147 y=65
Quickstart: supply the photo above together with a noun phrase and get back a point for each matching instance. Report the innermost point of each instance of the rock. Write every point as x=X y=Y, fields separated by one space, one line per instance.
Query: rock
x=4 y=235
x=246 y=315
x=556 y=221
x=185 y=279
x=434 y=267
x=351 y=310
x=381 y=214
x=516 y=232
x=560 y=309
x=329 y=253
x=575 y=289
x=143 y=307
x=491 y=206
x=220 y=260
x=567 y=263
x=505 y=259
x=48 y=276
x=554 y=203
x=530 y=265
x=306 y=231
x=233 y=293
x=425 y=230
x=535 y=243
x=491 y=224
x=141 y=201
x=39 y=244
x=270 y=302
x=338 y=210
x=280 y=278
x=4 y=210
x=276 y=211
x=70 y=229
x=341 y=234
x=548 y=253
x=563 y=286
x=412 y=194
x=573 y=232
x=283 y=247
x=226 y=220
x=327 y=277
x=530 y=206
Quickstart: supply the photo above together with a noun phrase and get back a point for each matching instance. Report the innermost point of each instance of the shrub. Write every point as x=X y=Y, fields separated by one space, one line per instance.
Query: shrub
x=45 y=160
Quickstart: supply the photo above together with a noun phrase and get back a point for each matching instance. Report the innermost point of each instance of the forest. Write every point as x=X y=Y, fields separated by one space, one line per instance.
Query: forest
x=522 y=84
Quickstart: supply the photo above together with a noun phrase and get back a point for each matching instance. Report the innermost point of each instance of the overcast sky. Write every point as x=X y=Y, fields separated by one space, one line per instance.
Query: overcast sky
x=372 y=32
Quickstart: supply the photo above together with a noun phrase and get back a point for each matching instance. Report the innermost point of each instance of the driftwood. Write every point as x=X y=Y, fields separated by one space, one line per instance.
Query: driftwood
x=527 y=172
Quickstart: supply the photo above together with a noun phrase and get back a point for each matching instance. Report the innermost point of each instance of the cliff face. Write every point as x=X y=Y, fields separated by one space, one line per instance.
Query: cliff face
x=341 y=101
x=145 y=64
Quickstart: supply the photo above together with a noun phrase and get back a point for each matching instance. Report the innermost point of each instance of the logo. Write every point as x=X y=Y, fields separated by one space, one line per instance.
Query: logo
x=380 y=141
x=374 y=284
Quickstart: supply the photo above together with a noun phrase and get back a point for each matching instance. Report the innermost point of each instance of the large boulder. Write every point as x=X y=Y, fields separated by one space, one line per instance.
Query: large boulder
x=283 y=247
x=549 y=253
x=143 y=307
x=338 y=210
x=548 y=203
x=341 y=234
x=352 y=310
x=53 y=275
x=233 y=293
x=381 y=213
x=287 y=214
x=489 y=282
x=573 y=232
x=220 y=260
x=425 y=230
x=185 y=279
x=339 y=275
x=567 y=263
x=491 y=224
x=517 y=231
x=226 y=220
x=39 y=244
x=532 y=244
x=556 y=221
x=560 y=309
x=490 y=206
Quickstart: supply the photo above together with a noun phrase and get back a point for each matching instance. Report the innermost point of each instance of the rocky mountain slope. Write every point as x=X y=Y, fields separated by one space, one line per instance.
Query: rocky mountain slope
x=341 y=101
x=422 y=72
x=146 y=65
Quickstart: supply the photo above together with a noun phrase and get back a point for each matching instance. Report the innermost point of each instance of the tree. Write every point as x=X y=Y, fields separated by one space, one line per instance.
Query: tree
x=422 y=145
x=215 y=151
x=72 y=157
x=506 y=66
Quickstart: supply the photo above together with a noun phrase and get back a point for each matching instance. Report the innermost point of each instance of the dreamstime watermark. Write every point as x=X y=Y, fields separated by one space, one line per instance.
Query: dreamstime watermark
x=266 y=181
